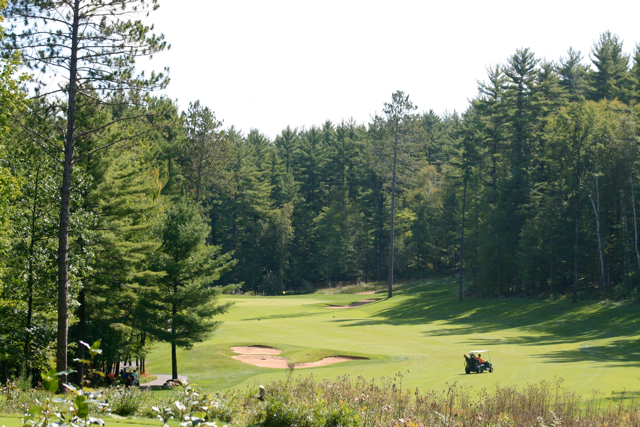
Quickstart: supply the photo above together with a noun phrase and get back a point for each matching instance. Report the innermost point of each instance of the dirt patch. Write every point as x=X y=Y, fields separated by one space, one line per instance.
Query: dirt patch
x=277 y=362
x=366 y=293
x=256 y=349
x=355 y=304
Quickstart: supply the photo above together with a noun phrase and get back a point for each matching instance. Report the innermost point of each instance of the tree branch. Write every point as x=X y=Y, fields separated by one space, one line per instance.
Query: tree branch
x=113 y=143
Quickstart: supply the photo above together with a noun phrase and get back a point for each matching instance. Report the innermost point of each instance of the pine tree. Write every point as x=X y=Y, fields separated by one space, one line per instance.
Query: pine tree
x=186 y=299
x=397 y=139
x=124 y=198
x=205 y=153
x=574 y=75
x=90 y=46
x=609 y=80
x=523 y=102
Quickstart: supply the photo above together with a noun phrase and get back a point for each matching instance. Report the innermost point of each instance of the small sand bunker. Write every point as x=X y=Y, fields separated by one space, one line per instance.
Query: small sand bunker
x=277 y=362
x=255 y=349
x=355 y=304
x=366 y=293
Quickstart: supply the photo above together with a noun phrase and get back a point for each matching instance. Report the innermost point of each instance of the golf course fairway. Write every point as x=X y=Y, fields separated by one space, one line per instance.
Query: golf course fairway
x=422 y=332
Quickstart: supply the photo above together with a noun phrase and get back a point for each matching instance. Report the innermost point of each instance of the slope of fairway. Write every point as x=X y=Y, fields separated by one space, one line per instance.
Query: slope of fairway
x=424 y=329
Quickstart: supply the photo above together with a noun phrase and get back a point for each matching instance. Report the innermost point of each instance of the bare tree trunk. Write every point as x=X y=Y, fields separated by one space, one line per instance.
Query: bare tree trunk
x=281 y=261
x=30 y=280
x=635 y=223
x=453 y=264
x=329 y=264
x=551 y=276
x=174 y=362
x=464 y=202
x=199 y=184
x=475 y=239
x=82 y=314
x=143 y=359
x=174 y=358
x=380 y=235
x=235 y=220
x=575 y=250
x=393 y=207
x=627 y=263
x=498 y=267
x=596 y=210
x=65 y=201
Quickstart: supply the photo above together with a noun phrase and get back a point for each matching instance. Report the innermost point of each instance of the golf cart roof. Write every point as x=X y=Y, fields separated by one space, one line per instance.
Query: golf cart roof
x=479 y=351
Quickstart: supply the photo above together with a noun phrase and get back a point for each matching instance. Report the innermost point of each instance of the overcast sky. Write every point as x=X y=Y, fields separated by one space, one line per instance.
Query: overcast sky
x=271 y=63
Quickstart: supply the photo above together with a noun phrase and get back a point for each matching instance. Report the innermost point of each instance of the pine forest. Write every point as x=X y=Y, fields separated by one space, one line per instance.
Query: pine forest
x=123 y=215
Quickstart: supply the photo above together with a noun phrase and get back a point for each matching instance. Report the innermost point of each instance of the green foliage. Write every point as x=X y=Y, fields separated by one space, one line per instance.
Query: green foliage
x=180 y=307
x=286 y=408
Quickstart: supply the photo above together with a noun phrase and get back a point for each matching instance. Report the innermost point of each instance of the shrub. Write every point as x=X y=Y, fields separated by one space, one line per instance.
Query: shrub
x=131 y=401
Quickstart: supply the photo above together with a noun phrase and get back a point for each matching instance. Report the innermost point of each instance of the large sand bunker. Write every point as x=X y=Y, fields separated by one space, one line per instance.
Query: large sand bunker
x=355 y=304
x=277 y=362
x=264 y=357
x=256 y=349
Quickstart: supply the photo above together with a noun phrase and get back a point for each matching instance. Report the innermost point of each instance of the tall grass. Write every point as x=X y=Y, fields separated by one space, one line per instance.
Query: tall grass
x=350 y=402
x=306 y=402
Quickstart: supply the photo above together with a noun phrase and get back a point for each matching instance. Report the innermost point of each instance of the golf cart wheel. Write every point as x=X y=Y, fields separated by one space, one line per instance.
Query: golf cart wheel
x=491 y=369
x=467 y=371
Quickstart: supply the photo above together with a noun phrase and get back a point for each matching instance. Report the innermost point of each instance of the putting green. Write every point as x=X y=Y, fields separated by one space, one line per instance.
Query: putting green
x=424 y=330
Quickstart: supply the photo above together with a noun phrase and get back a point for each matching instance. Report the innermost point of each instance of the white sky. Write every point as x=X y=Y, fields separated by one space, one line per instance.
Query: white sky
x=267 y=64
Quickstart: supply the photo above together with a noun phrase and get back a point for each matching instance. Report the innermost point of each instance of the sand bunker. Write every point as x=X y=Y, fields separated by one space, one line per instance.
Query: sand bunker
x=255 y=349
x=277 y=362
x=355 y=304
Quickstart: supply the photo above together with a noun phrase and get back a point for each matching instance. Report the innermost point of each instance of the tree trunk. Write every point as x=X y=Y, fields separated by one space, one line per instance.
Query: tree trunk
x=498 y=265
x=82 y=314
x=627 y=263
x=198 y=185
x=453 y=268
x=635 y=224
x=143 y=341
x=464 y=202
x=393 y=207
x=575 y=251
x=34 y=211
x=281 y=261
x=329 y=264
x=596 y=210
x=174 y=360
x=235 y=220
x=551 y=276
x=475 y=239
x=65 y=201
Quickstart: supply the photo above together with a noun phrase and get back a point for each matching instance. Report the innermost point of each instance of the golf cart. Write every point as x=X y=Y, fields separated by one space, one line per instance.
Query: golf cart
x=472 y=362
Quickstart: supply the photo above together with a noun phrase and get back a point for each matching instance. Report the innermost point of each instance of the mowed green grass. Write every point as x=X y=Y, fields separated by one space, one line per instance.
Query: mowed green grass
x=423 y=332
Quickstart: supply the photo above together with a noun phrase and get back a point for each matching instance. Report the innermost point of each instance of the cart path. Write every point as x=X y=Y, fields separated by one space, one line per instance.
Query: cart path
x=160 y=381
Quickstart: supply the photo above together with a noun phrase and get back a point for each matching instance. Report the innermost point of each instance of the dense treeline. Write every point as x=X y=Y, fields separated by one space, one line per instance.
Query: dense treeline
x=533 y=186
x=531 y=190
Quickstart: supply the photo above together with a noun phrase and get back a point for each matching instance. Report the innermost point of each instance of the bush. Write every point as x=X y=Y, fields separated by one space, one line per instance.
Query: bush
x=132 y=401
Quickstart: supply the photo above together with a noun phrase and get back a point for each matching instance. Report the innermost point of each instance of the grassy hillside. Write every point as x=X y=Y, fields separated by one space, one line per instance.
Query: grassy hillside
x=424 y=330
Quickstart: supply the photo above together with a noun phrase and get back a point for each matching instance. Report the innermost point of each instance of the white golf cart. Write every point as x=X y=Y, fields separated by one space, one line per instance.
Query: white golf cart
x=478 y=361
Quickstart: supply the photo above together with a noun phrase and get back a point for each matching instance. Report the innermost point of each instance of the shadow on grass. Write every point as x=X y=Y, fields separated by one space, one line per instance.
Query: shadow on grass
x=286 y=316
x=611 y=328
x=625 y=395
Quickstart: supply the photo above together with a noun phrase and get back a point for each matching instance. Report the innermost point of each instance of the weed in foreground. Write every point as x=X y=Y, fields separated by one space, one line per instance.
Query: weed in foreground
x=350 y=402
